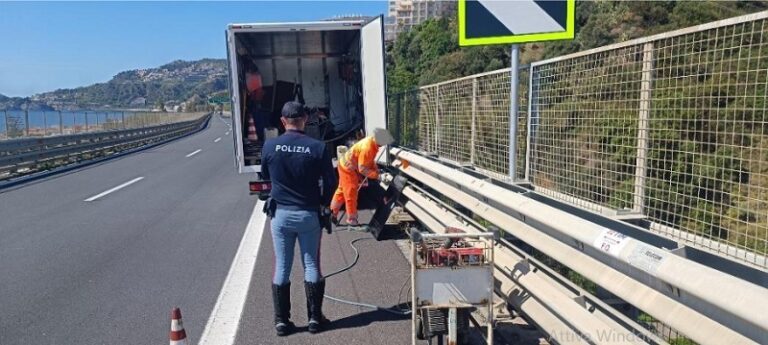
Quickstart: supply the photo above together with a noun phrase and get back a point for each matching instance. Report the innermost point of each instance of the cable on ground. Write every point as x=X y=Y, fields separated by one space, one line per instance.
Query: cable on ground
x=396 y=311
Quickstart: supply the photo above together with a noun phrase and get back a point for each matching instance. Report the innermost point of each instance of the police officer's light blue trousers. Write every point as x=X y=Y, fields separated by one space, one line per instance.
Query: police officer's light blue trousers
x=287 y=226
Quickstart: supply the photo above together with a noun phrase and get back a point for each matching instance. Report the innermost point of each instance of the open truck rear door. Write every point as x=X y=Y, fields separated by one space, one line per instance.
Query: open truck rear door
x=374 y=78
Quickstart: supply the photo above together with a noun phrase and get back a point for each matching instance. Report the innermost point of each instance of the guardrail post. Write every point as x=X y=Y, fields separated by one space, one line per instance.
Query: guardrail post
x=61 y=124
x=473 y=130
x=26 y=122
x=638 y=204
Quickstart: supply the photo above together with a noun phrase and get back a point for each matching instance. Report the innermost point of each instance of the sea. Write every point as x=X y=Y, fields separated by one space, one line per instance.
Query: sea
x=47 y=123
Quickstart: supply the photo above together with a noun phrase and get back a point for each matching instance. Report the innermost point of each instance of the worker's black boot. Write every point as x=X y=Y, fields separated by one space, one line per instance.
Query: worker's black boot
x=315 y=293
x=281 y=299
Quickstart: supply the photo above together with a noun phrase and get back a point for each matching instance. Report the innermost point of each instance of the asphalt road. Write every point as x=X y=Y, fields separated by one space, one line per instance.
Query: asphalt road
x=160 y=229
x=110 y=270
x=377 y=279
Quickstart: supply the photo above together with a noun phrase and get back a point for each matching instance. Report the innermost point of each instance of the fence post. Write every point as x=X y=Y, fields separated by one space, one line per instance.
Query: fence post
x=437 y=120
x=26 y=122
x=398 y=118
x=45 y=124
x=97 y=120
x=473 y=125
x=513 y=104
x=61 y=124
x=122 y=118
x=638 y=204
x=86 y=122
x=529 y=126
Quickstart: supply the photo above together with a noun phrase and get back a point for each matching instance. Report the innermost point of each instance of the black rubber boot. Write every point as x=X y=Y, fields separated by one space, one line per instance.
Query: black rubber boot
x=315 y=293
x=281 y=299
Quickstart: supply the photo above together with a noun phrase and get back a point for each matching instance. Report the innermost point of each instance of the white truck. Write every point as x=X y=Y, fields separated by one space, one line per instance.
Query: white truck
x=336 y=68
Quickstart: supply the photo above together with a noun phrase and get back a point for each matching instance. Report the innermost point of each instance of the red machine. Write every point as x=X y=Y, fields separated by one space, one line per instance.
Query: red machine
x=456 y=256
x=455 y=252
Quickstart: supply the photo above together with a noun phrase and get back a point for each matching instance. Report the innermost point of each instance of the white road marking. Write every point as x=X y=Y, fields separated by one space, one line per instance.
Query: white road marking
x=194 y=153
x=115 y=189
x=222 y=325
x=217 y=140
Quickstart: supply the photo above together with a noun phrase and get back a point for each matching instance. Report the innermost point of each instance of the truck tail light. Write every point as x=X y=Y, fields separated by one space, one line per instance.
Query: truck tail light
x=260 y=186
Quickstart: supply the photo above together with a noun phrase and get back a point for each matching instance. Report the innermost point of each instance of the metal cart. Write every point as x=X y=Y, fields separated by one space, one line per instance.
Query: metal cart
x=451 y=275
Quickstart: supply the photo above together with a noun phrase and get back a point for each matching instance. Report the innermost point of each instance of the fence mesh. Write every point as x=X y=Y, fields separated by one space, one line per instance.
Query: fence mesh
x=708 y=146
x=671 y=128
x=19 y=123
x=465 y=120
x=585 y=135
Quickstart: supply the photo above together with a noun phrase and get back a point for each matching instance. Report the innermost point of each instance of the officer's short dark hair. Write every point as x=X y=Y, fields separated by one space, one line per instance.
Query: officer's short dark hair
x=293 y=110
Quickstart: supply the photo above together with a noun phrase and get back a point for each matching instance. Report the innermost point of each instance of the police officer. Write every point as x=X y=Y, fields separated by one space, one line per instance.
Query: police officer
x=303 y=180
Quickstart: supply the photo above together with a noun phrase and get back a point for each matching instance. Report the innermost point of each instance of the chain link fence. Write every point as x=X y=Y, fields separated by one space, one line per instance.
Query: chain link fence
x=670 y=129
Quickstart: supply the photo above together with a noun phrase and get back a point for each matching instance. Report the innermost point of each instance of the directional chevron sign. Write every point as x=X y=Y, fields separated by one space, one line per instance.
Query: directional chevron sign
x=515 y=21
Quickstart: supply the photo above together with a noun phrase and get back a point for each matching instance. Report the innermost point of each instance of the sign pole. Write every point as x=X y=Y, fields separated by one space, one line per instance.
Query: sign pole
x=514 y=60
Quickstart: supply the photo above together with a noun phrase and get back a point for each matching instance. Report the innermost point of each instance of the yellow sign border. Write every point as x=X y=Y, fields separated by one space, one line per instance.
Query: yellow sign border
x=568 y=34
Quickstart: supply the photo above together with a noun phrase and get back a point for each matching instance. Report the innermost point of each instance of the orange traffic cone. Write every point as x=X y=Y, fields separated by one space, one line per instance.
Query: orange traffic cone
x=252 y=136
x=177 y=335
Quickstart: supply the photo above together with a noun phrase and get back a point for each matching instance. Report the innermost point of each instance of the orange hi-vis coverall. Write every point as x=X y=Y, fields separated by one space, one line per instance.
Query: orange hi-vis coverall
x=359 y=160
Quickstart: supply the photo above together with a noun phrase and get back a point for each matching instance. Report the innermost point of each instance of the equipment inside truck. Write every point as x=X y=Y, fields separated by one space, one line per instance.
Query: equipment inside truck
x=318 y=68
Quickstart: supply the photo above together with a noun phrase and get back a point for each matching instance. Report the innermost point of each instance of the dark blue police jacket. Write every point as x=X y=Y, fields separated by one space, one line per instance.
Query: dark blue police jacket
x=301 y=171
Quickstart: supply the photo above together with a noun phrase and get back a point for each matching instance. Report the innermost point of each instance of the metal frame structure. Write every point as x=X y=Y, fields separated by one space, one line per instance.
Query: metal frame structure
x=452 y=288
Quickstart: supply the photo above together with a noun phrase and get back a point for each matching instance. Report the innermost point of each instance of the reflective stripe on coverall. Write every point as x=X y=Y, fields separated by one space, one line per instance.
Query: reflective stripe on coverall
x=360 y=159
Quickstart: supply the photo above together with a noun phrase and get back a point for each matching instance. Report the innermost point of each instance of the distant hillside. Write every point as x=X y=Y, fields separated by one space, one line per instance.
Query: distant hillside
x=170 y=84
x=22 y=103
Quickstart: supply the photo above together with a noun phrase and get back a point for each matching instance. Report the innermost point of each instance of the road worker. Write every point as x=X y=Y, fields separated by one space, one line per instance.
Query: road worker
x=303 y=180
x=355 y=165
x=253 y=98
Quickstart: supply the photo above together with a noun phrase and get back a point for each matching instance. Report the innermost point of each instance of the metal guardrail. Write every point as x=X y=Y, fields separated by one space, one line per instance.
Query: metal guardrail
x=546 y=298
x=668 y=131
x=643 y=270
x=17 y=154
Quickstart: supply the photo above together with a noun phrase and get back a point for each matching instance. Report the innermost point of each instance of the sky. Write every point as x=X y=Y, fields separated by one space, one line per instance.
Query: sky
x=45 y=46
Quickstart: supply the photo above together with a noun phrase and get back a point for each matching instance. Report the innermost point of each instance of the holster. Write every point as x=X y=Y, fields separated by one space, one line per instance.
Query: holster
x=324 y=214
x=270 y=206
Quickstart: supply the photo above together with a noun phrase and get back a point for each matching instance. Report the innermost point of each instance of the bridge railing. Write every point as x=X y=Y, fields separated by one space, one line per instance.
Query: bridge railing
x=26 y=123
x=23 y=156
x=668 y=131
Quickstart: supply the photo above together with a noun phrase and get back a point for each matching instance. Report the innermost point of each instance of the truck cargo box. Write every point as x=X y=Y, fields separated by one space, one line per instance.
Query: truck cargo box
x=336 y=68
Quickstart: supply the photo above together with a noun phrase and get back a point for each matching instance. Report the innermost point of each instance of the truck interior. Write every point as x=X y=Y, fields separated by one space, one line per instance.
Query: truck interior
x=318 y=68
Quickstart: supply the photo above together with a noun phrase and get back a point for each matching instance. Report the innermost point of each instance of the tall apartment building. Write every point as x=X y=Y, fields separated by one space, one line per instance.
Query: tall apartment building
x=405 y=14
